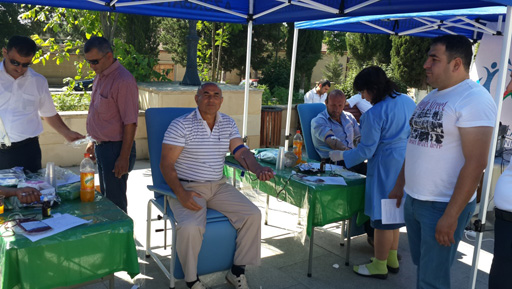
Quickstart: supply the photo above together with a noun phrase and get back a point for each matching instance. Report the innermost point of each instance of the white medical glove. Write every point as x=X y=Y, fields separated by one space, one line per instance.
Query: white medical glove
x=336 y=155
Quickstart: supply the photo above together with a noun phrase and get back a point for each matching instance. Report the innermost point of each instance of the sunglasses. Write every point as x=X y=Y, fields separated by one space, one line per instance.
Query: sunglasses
x=17 y=63
x=96 y=61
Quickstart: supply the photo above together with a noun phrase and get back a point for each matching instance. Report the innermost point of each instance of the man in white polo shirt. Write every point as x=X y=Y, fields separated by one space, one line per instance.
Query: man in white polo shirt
x=193 y=152
x=24 y=99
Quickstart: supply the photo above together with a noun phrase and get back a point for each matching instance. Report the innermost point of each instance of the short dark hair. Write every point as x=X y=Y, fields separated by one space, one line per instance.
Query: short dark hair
x=324 y=82
x=333 y=93
x=375 y=81
x=25 y=46
x=456 y=46
x=99 y=43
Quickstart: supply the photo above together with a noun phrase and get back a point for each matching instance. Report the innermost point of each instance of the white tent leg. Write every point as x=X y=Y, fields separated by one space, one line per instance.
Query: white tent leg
x=498 y=98
x=290 y=92
x=247 y=80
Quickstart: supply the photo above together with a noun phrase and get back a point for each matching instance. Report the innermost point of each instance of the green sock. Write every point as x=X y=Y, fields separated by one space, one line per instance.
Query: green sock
x=375 y=267
x=393 y=259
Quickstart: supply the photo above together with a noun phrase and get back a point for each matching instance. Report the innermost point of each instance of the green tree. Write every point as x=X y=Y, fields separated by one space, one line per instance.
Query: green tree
x=334 y=70
x=336 y=42
x=369 y=48
x=407 y=57
x=142 y=32
x=309 y=51
x=174 y=39
x=9 y=18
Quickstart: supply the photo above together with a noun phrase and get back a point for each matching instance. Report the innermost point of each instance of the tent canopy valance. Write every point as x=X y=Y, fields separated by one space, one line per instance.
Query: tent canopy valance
x=468 y=22
x=264 y=11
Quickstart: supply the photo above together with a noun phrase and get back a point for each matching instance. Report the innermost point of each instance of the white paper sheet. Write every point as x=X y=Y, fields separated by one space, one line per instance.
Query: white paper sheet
x=59 y=223
x=326 y=180
x=390 y=213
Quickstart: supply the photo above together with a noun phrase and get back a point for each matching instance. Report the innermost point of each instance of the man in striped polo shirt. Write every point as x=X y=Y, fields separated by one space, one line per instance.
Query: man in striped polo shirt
x=193 y=152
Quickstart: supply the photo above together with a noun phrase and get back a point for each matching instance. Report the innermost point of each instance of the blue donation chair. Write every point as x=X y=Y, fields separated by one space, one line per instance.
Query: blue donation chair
x=218 y=247
x=308 y=111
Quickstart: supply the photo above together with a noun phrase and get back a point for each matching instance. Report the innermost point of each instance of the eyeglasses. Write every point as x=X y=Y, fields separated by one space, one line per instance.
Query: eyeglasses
x=17 y=63
x=96 y=61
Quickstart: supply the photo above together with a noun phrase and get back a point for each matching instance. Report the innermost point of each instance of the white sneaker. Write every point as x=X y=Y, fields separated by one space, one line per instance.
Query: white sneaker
x=199 y=285
x=238 y=282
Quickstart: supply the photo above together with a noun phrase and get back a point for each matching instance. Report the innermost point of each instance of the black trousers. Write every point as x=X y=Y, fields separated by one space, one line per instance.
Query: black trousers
x=26 y=154
x=499 y=277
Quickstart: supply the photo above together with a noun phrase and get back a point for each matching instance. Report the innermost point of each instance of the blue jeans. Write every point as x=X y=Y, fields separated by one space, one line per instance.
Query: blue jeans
x=112 y=187
x=433 y=261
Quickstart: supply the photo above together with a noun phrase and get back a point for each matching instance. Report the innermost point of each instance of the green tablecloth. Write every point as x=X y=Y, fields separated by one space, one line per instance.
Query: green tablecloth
x=80 y=254
x=325 y=203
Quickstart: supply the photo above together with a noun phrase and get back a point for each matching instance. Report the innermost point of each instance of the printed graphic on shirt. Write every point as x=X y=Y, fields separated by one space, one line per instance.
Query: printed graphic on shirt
x=427 y=125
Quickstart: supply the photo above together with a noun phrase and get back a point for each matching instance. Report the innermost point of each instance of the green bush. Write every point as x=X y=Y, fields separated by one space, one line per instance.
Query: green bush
x=68 y=101
x=279 y=95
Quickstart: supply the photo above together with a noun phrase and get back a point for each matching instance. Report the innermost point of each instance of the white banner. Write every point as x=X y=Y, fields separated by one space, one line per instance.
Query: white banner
x=485 y=71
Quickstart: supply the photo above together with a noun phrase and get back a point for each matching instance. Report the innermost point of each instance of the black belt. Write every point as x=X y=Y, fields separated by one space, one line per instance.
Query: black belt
x=504 y=215
x=106 y=142
x=19 y=143
x=187 y=181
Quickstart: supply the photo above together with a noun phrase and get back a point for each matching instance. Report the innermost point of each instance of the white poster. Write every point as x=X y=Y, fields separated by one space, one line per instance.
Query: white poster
x=485 y=71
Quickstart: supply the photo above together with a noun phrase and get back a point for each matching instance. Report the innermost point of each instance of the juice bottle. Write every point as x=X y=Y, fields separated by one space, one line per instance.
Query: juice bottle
x=87 y=179
x=297 y=146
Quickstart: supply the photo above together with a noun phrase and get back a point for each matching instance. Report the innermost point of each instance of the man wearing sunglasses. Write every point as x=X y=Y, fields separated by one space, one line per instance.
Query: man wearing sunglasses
x=112 y=119
x=24 y=99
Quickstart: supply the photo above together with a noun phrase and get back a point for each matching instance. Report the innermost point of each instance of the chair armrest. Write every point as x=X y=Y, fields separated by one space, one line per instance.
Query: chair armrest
x=162 y=190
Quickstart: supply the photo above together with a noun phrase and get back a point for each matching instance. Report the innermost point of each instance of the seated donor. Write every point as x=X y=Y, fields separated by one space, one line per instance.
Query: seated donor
x=193 y=152
x=335 y=129
x=357 y=101
x=318 y=93
x=384 y=132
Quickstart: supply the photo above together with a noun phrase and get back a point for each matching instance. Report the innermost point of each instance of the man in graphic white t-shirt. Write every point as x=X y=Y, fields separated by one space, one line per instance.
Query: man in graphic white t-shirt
x=451 y=131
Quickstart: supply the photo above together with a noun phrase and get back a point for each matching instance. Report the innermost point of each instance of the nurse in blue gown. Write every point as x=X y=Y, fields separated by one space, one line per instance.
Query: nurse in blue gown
x=384 y=133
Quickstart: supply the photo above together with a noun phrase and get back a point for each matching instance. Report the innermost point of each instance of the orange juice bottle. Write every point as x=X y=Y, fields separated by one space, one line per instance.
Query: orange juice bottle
x=297 y=146
x=87 y=179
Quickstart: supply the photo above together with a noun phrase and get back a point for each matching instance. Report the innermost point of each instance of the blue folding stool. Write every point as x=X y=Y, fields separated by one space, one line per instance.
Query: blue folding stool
x=219 y=239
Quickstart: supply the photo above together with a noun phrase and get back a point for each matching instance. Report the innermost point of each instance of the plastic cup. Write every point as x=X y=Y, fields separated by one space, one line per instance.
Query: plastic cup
x=280 y=159
x=50 y=174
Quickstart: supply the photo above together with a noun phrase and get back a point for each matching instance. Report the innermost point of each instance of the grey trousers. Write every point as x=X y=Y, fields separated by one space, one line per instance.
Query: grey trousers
x=241 y=212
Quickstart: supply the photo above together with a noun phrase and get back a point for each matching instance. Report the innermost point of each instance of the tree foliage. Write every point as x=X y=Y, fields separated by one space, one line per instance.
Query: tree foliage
x=369 y=48
x=407 y=57
x=334 y=70
x=9 y=18
x=309 y=51
x=142 y=32
x=336 y=42
x=70 y=28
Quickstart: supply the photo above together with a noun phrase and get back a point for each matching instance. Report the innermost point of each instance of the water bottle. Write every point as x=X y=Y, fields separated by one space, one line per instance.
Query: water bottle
x=297 y=146
x=87 y=179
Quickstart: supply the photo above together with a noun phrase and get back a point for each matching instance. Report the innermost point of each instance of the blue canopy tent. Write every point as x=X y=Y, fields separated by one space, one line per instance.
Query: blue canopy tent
x=277 y=11
x=263 y=12
x=468 y=22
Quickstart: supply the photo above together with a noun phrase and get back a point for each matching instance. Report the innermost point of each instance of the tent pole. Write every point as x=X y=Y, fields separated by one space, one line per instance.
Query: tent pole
x=247 y=81
x=290 y=89
x=498 y=98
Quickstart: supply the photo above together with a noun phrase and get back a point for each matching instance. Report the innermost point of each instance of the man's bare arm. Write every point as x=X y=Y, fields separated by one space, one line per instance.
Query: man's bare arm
x=475 y=147
x=248 y=161
x=170 y=154
x=58 y=124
